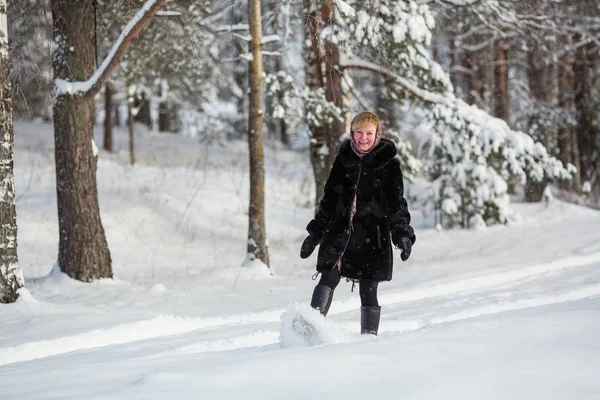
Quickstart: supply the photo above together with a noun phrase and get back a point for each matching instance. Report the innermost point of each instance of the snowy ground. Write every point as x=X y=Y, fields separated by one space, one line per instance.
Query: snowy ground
x=502 y=313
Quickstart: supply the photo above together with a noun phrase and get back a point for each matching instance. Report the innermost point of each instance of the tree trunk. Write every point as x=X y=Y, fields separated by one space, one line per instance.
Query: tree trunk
x=257 y=235
x=454 y=57
x=384 y=107
x=565 y=142
x=167 y=117
x=11 y=278
x=540 y=79
x=117 y=111
x=108 y=106
x=473 y=83
x=584 y=113
x=322 y=72
x=83 y=251
x=142 y=104
x=539 y=74
x=130 y=127
x=502 y=96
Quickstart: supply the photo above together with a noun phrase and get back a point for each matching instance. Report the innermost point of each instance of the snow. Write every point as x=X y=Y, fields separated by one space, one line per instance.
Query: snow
x=504 y=312
x=344 y=8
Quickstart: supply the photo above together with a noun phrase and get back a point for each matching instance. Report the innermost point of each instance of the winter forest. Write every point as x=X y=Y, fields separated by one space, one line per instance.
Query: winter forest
x=160 y=161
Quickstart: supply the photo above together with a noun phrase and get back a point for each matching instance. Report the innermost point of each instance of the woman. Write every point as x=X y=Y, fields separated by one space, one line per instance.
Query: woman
x=362 y=209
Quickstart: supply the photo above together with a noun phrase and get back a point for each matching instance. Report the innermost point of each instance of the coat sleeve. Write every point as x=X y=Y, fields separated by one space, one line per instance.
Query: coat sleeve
x=319 y=225
x=397 y=208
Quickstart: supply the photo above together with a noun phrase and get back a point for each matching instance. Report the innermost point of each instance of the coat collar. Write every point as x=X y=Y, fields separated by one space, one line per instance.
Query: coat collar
x=377 y=158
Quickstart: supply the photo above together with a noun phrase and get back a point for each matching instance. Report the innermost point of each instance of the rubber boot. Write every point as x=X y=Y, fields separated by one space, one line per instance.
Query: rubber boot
x=321 y=299
x=369 y=320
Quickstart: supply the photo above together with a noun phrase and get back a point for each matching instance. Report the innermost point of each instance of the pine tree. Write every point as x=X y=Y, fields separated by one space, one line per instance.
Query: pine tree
x=83 y=250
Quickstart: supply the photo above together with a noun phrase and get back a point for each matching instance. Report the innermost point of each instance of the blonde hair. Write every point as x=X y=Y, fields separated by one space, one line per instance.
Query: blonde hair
x=363 y=118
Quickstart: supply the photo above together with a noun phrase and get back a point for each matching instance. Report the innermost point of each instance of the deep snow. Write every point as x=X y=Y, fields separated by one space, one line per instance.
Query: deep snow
x=504 y=312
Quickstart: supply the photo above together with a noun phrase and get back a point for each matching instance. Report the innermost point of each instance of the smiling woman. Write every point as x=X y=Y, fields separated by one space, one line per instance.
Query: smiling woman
x=365 y=132
x=362 y=213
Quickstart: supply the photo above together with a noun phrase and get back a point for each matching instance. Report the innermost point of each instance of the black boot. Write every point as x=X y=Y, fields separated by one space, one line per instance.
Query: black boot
x=321 y=298
x=369 y=319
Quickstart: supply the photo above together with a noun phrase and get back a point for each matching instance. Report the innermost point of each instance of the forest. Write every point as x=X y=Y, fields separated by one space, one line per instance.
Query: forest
x=489 y=102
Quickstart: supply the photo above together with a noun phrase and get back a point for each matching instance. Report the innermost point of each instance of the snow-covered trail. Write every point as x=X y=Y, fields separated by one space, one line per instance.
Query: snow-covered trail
x=507 y=312
x=571 y=279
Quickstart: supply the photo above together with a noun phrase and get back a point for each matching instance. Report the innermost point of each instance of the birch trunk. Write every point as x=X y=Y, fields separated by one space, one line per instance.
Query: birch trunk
x=11 y=278
x=257 y=236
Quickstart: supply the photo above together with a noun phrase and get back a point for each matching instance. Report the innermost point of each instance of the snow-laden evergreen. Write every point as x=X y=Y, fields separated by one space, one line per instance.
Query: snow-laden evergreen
x=469 y=154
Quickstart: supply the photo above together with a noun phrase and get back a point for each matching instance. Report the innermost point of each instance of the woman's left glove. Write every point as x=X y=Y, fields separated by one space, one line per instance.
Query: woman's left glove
x=308 y=246
x=405 y=245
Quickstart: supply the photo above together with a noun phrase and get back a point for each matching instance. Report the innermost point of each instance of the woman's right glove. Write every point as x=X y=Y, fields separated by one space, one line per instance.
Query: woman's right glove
x=308 y=246
x=405 y=245
x=404 y=239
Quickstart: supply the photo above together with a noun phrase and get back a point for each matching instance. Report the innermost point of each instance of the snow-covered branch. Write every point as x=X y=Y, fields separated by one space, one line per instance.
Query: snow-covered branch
x=522 y=159
x=168 y=14
x=354 y=63
x=269 y=39
x=94 y=84
x=457 y=3
x=232 y=28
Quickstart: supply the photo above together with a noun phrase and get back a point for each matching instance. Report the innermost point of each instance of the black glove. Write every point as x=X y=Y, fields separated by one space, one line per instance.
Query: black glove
x=405 y=245
x=308 y=246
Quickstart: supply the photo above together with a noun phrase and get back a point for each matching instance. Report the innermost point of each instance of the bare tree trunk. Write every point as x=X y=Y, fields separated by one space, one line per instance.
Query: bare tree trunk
x=384 y=107
x=167 y=117
x=257 y=235
x=565 y=141
x=540 y=79
x=455 y=56
x=108 y=106
x=322 y=72
x=142 y=104
x=502 y=95
x=586 y=131
x=117 y=119
x=474 y=81
x=130 y=127
x=11 y=278
x=83 y=251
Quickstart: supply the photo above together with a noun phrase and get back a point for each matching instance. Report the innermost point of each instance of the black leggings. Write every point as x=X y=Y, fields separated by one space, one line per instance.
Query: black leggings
x=366 y=287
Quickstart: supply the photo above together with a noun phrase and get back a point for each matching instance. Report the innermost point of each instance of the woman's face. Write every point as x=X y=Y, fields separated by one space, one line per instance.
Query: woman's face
x=364 y=136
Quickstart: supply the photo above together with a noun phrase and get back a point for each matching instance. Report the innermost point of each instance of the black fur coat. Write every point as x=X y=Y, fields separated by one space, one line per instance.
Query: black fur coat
x=364 y=244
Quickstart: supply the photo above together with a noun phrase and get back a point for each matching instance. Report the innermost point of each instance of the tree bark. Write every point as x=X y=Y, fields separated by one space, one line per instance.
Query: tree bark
x=130 y=128
x=585 y=130
x=565 y=143
x=108 y=106
x=117 y=113
x=257 y=236
x=142 y=104
x=323 y=72
x=167 y=117
x=540 y=79
x=83 y=250
x=11 y=278
x=502 y=95
x=539 y=74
